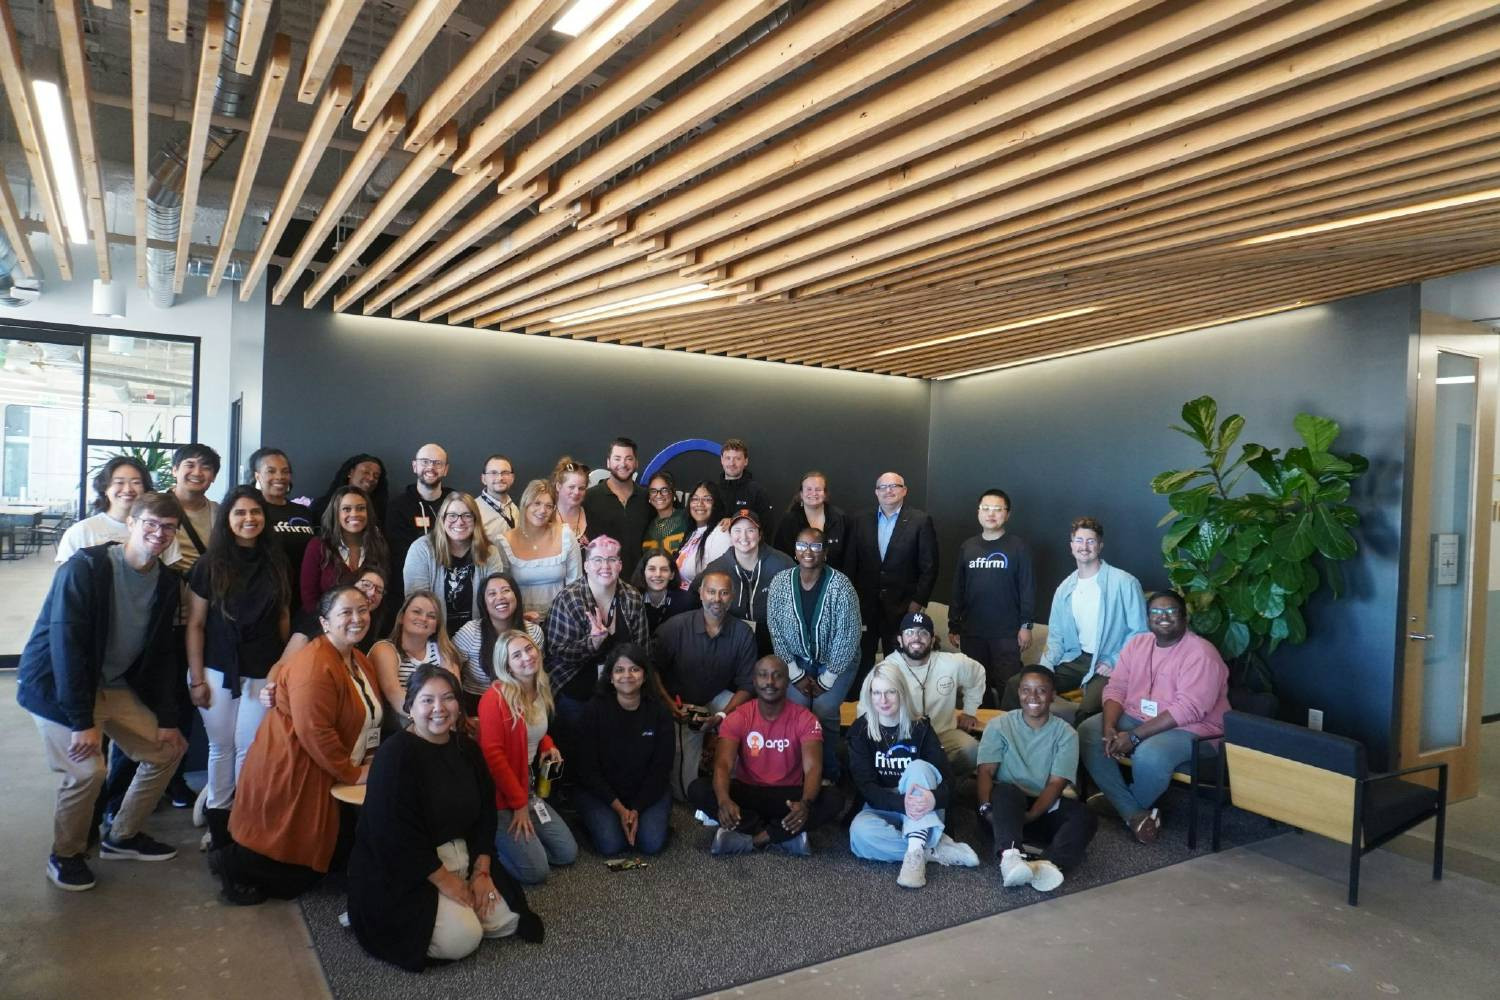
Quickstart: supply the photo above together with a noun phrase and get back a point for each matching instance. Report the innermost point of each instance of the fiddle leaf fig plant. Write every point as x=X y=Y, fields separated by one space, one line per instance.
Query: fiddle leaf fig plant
x=1246 y=561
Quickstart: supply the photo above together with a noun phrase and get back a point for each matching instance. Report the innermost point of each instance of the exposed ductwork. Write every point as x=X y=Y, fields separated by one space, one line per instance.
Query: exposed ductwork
x=169 y=165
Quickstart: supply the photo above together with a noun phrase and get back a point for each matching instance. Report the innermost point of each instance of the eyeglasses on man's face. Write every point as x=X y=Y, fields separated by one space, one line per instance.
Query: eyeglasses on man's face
x=992 y=508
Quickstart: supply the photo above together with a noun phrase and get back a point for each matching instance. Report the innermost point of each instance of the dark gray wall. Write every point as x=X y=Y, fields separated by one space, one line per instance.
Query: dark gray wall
x=1085 y=435
x=336 y=385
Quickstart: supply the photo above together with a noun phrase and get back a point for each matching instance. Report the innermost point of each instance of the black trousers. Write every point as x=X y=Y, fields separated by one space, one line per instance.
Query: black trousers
x=1066 y=676
x=763 y=807
x=1000 y=657
x=1065 y=830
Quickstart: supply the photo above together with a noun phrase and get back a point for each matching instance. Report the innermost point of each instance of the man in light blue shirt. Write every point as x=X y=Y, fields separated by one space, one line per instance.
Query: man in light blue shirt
x=1094 y=611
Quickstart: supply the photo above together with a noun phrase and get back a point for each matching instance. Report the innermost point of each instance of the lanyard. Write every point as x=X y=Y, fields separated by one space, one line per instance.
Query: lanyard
x=496 y=506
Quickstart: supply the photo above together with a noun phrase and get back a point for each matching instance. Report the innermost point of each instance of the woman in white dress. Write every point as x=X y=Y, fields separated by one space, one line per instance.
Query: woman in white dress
x=541 y=551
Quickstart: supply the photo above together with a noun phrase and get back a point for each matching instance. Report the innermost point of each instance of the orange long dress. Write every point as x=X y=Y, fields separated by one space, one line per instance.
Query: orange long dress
x=283 y=804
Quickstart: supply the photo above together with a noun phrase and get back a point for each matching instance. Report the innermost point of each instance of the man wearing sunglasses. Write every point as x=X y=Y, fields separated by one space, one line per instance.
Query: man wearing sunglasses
x=100 y=661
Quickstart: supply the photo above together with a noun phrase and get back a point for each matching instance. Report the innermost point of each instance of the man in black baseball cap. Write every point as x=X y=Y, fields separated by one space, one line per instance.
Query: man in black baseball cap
x=937 y=680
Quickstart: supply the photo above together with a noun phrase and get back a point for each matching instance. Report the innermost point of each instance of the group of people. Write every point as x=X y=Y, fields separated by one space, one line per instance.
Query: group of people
x=460 y=655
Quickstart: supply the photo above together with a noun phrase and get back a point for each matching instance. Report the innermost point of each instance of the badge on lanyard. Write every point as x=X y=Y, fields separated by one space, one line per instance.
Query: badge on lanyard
x=1149 y=708
x=373 y=739
x=423 y=521
x=540 y=808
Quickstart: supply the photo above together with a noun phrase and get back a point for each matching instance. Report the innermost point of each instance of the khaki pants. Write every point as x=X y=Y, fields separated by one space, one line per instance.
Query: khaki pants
x=457 y=930
x=125 y=719
x=962 y=750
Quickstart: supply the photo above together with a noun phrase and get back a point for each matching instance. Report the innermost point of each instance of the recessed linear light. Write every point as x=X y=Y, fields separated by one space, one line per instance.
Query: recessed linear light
x=1019 y=324
x=577 y=18
x=1454 y=380
x=60 y=156
x=1458 y=200
x=693 y=292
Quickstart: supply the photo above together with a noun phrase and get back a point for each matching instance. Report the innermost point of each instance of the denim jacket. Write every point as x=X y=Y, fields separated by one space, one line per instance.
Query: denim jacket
x=1122 y=614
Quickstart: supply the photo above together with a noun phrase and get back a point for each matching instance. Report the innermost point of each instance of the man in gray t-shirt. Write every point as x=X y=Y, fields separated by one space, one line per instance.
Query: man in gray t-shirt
x=100 y=661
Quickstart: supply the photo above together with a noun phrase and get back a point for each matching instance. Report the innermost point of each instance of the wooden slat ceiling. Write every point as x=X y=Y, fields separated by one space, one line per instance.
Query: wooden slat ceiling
x=925 y=188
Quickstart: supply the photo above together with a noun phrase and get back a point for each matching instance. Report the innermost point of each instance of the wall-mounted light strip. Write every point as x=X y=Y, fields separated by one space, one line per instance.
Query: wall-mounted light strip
x=1019 y=324
x=577 y=18
x=695 y=292
x=49 y=106
x=1459 y=200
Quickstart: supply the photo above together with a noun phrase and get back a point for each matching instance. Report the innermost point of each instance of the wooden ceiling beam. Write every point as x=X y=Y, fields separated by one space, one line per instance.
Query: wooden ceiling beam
x=80 y=90
x=177 y=21
x=433 y=218
x=510 y=32
x=254 y=16
x=908 y=222
x=615 y=29
x=852 y=66
x=659 y=284
x=28 y=131
x=378 y=142
x=810 y=32
x=15 y=235
x=709 y=29
x=501 y=209
x=422 y=24
x=565 y=298
x=140 y=124
x=480 y=273
x=323 y=48
x=564 y=277
x=330 y=110
x=210 y=59
x=886 y=128
x=422 y=166
x=272 y=81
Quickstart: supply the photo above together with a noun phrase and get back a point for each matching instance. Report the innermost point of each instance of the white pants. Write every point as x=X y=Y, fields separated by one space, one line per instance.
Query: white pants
x=230 y=722
x=458 y=930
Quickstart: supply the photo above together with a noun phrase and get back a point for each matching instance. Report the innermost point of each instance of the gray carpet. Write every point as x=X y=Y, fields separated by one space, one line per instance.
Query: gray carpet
x=691 y=923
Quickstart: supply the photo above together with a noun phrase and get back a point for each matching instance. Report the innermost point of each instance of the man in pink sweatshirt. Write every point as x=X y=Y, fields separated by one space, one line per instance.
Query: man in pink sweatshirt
x=1168 y=686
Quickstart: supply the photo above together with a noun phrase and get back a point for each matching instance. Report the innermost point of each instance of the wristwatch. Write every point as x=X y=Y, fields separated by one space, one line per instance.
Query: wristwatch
x=1135 y=740
x=985 y=808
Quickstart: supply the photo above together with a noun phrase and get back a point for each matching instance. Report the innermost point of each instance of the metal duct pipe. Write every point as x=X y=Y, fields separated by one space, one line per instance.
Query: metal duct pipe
x=169 y=165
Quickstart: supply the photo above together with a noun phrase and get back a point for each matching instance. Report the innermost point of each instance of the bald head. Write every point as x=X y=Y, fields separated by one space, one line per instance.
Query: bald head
x=431 y=466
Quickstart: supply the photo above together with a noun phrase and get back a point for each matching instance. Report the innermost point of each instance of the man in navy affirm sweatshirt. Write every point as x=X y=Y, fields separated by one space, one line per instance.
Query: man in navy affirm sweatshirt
x=994 y=596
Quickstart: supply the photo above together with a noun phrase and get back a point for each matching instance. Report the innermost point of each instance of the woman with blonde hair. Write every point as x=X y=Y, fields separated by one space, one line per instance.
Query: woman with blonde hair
x=570 y=481
x=541 y=550
x=418 y=638
x=901 y=772
x=452 y=558
x=513 y=733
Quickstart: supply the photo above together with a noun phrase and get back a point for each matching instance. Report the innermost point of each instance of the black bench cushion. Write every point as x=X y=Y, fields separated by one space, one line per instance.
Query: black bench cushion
x=1282 y=739
x=1393 y=804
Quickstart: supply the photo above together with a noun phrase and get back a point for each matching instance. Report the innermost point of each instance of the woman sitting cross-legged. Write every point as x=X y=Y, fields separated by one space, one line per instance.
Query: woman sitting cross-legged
x=512 y=733
x=417 y=639
x=626 y=748
x=903 y=817
x=415 y=890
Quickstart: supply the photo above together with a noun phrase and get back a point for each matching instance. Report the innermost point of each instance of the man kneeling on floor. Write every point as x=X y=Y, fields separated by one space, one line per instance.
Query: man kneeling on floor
x=1026 y=759
x=768 y=770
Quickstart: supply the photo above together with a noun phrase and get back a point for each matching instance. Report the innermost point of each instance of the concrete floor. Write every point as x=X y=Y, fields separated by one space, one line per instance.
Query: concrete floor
x=1265 y=921
x=24 y=583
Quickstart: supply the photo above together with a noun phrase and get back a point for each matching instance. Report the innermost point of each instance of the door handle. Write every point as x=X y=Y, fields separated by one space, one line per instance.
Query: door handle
x=1420 y=636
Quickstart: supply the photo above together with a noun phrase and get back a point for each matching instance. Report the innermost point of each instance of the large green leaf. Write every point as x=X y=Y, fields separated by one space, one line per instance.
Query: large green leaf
x=1358 y=465
x=1200 y=415
x=1194 y=502
x=1229 y=432
x=1331 y=537
x=1266 y=467
x=1278 y=632
x=1333 y=492
x=1169 y=482
x=1296 y=626
x=1318 y=432
x=1236 y=640
x=1243 y=542
x=1287 y=574
x=1295 y=540
x=1205 y=545
x=1334 y=574
x=1208 y=620
x=1237 y=598
x=1176 y=533
x=1267 y=598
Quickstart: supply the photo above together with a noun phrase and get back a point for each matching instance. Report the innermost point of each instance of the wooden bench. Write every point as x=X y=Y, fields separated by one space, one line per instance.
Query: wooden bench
x=849 y=711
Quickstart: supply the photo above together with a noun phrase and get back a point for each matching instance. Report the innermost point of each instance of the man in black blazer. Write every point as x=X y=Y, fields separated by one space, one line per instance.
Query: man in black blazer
x=893 y=561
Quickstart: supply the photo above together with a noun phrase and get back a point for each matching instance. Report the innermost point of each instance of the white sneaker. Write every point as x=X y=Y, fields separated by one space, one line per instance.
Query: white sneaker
x=200 y=804
x=952 y=854
x=704 y=818
x=913 y=869
x=1014 y=871
x=1045 y=876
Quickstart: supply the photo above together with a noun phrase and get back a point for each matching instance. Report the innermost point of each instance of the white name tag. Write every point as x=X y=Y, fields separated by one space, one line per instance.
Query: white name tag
x=423 y=521
x=540 y=808
x=1149 y=708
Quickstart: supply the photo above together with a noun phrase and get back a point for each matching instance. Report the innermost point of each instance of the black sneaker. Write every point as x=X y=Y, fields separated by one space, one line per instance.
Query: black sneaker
x=71 y=874
x=137 y=848
x=180 y=795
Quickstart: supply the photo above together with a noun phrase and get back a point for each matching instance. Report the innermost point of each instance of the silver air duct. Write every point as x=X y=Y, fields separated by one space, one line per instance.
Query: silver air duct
x=169 y=165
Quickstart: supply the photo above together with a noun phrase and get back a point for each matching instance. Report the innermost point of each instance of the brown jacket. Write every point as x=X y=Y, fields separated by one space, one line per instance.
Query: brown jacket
x=283 y=805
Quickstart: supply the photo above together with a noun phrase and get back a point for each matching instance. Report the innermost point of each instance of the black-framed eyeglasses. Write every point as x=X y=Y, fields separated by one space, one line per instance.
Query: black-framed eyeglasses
x=1164 y=612
x=660 y=491
x=808 y=546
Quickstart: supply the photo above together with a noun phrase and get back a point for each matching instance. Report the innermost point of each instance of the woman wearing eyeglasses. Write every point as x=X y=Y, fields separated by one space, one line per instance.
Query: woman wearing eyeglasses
x=994 y=597
x=452 y=558
x=706 y=540
x=668 y=529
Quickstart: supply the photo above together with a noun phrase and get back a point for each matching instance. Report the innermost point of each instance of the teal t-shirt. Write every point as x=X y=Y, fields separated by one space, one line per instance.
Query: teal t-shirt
x=1030 y=757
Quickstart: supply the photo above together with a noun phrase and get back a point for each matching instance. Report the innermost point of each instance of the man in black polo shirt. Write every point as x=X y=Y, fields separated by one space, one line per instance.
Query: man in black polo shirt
x=617 y=507
x=705 y=658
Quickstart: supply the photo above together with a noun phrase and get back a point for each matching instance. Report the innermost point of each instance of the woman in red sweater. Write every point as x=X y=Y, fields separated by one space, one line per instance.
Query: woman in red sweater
x=348 y=539
x=513 y=733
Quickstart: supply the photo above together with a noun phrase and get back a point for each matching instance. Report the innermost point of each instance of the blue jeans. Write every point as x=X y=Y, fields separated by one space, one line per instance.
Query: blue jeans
x=826 y=707
x=604 y=830
x=1152 y=763
x=530 y=860
x=876 y=835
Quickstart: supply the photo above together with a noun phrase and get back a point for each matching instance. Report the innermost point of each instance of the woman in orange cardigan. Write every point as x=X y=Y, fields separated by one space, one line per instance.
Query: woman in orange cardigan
x=512 y=733
x=323 y=731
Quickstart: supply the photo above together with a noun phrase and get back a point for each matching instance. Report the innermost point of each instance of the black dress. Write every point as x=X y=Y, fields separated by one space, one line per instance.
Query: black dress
x=420 y=795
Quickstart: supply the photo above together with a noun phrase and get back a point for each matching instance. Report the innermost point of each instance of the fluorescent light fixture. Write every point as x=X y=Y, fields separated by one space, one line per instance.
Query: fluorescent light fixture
x=697 y=291
x=577 y=18
x=60 y=155
x=1457 y=201
x=1454 y=380
x=1019 y=324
